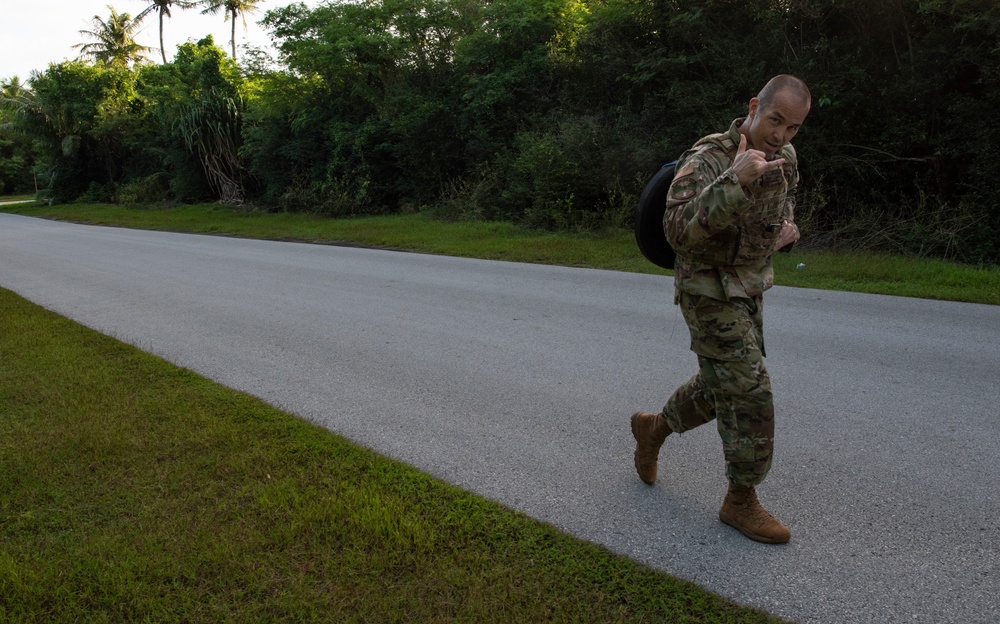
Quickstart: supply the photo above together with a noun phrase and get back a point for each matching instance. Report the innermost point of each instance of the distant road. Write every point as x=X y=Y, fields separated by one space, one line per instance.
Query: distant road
x=516 y=381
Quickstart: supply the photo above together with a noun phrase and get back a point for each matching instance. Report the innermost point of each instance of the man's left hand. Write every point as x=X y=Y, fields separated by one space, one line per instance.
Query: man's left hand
x=788 y=235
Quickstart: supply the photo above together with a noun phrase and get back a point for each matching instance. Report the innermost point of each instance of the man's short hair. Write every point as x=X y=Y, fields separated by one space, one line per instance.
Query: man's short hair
x=781 y=82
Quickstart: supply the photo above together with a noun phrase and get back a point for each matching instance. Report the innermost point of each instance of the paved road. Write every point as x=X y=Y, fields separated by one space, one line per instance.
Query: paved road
x=516 y=381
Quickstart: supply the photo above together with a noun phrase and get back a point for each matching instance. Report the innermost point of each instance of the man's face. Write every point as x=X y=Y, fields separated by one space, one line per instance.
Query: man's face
x=772 y=127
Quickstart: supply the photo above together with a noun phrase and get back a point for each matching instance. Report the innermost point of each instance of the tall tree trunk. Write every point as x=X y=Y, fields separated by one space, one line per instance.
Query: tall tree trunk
x=233 y=40
x=163 y=51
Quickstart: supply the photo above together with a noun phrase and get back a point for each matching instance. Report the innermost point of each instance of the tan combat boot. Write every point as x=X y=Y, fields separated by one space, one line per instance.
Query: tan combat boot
x=649 y=431
x=742 y=511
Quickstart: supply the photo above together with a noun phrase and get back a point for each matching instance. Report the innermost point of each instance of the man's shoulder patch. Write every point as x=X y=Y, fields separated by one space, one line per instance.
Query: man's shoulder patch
x=684 y=187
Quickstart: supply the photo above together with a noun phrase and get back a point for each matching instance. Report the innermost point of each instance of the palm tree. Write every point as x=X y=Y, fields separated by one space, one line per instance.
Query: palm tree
x=16 y=101
x=162 y=7
x=232 y=9
x=12 y=87
x=116 y=44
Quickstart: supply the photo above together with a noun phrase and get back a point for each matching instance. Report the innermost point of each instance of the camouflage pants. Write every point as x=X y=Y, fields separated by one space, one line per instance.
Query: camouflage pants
x=731 y=386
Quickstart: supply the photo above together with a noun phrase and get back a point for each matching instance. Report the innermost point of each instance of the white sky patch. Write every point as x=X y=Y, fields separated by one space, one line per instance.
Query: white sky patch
x=34 y=33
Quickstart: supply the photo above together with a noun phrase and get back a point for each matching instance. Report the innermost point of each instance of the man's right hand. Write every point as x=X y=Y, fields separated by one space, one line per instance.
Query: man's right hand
x=751 y=164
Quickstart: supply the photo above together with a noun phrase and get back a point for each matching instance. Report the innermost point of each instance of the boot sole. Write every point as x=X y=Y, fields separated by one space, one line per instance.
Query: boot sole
x=725 y=518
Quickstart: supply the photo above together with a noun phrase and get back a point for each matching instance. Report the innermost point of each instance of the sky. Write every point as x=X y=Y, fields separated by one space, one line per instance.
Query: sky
x=34 y=33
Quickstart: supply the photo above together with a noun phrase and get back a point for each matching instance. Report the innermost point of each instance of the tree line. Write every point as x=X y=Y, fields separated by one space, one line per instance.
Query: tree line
x=547 y=113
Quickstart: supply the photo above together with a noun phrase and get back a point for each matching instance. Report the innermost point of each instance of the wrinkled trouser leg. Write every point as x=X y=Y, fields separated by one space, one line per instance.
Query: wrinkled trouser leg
x=731 y=386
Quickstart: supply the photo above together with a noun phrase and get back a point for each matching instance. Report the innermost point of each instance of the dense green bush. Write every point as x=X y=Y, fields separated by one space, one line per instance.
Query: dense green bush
x=548 y=113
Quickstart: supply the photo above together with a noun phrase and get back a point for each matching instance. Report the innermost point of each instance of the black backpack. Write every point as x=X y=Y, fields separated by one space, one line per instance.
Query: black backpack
x=649 y=234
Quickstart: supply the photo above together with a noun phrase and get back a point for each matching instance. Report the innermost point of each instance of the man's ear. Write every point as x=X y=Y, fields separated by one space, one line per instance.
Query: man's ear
x=754 y=105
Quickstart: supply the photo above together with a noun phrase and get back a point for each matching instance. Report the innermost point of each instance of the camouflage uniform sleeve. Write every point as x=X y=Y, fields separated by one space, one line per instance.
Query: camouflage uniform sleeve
x=788 y=153
x=699 y=203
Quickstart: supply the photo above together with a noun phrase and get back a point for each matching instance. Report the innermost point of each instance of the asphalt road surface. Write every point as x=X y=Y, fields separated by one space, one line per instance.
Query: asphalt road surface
x=516 y=382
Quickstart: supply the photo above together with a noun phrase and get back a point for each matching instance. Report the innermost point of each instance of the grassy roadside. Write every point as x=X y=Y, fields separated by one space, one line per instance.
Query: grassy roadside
x=133 y=491
x=16 y=198
x=869 y=273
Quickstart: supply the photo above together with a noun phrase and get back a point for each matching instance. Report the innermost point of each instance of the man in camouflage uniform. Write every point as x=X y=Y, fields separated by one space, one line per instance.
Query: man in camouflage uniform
x=730 y=206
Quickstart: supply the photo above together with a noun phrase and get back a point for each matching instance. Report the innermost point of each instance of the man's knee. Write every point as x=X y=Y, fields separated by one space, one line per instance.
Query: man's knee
x=737 y=378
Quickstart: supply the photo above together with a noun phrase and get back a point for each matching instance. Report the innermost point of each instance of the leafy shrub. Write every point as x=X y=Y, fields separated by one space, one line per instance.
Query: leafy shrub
x=97 y=192
x=154 y=188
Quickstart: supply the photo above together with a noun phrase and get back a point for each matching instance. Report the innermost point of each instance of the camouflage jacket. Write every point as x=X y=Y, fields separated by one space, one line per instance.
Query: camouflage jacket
x=723 y=233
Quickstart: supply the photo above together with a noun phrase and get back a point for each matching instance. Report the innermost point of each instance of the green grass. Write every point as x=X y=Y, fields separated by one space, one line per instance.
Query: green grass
x=135 y=491
x=16 y=198
x=889 y=275
x=869 y=273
